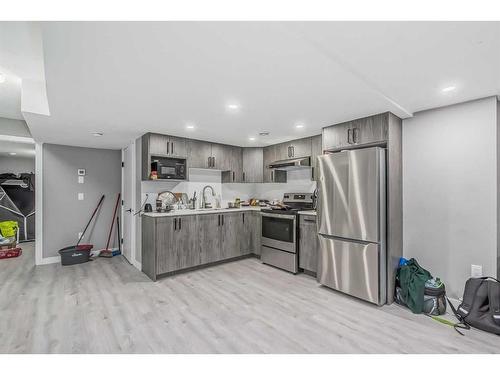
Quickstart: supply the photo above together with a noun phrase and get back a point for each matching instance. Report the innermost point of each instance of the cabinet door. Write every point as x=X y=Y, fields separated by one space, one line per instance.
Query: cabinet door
x=178 y=147
x=233 y=162
x=282 y=151
x=268 y=155
x=308 y=243
x=220 y=156
x=316 y=150
x=246 y=233
x=231 y=234
x=337 y=136
x=199 y=153
x=158 y=144
x=370 y=129
x=256 y=226
x=209 y=238
x=166 y=255
x=253 y=166
x=300 y=148
x=186 y=242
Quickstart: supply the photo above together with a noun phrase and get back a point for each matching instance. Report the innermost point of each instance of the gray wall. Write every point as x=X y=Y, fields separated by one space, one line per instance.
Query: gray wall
x=63 y=214
x=450 y=190
x=16 y=165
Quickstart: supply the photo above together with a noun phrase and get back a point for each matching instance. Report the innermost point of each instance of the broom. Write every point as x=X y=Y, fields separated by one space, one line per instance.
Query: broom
x=107 y=252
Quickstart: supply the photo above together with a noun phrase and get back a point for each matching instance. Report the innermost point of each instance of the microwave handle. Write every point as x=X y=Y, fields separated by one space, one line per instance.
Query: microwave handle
x=172 y=147
x=168 y=148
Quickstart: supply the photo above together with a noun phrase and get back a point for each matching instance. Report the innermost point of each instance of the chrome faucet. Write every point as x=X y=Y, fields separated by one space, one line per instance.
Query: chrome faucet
x=203 y=198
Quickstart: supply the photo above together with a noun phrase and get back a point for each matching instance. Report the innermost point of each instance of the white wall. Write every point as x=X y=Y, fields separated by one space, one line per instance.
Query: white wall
x=450 y=190
x=16 y=165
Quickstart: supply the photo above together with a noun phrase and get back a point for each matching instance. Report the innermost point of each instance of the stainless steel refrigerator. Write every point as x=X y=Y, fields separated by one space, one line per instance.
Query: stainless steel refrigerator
x=352 y=223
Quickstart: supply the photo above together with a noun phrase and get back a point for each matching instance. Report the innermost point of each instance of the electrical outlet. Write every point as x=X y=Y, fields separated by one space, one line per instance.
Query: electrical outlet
x=476 y=270
x=80 y=196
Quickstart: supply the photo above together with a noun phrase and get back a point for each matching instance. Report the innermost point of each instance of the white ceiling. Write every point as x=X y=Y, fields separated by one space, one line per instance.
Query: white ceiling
x=128 y=78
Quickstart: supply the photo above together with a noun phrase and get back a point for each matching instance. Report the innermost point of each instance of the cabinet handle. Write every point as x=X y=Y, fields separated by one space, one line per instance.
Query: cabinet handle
x=310 y=220
x=172 y=147
x=218 y=217
x=355 y=133
x=293 y=150
x=244 y=177
x=168 y=147
x=233 y=176
x=349 y=136
x=222 y=216
x=180 y=223
x=243 y=218
x=175 y=224
x=272 y=176
x=213 y=161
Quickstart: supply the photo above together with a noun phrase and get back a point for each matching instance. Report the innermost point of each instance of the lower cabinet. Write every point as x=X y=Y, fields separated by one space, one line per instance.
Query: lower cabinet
x=171 y=244
x=308 y=243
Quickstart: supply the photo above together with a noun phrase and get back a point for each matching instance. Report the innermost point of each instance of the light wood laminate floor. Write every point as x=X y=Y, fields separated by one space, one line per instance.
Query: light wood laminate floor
x=107 y=306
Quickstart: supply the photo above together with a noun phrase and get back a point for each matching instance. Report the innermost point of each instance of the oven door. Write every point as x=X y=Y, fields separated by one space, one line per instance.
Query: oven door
x=279 y=231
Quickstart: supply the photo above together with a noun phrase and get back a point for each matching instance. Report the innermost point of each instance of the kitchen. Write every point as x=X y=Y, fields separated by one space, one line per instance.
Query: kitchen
x=257 y=199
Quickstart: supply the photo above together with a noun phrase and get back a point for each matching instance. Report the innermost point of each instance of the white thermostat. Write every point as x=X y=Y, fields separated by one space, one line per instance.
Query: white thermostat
x=81 y=172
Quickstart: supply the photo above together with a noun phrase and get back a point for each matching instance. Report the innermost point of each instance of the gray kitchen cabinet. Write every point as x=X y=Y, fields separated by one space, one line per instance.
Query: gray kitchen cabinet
x=308 y=243
x=185 y=241
x=316 y=150
x=337 y=136
x=209 y=238
x=232 y=225
x=270 y=155
x=281 y=151
x=299 y=148
x=253 y=164
x=199 y=154
x=233 y=161
x=165 y=145
x=220 y=157
x=253 y=223
x=363 y=131
x=247 y=230
x=177 y=147
x=371 y=129
x=166 y=254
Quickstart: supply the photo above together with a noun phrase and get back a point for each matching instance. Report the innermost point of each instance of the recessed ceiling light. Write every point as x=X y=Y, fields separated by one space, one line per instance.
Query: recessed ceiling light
x=232 y=107
x=448 y=89
x=251 y=139
x=2 y=78
x=97 y=134
x=12 y=153
x=299 y=126
x=190 y=126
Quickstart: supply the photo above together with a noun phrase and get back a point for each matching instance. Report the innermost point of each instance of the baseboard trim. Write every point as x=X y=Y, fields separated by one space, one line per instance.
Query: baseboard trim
x=49 y=260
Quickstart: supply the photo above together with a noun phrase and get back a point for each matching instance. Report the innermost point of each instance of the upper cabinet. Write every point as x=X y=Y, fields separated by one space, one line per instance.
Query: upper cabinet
x=165 y=145
x=364 y=131
x=200 y=154
x=298 y=148
x=253 y=163
x=316 y=150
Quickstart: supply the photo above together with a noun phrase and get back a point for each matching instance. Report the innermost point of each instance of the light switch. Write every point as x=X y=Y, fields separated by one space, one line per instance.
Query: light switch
x=81 y=179
x=80 y=196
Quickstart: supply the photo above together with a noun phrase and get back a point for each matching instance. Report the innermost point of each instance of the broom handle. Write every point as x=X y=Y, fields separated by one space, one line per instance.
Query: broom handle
x=93 y=214
x=112 y=221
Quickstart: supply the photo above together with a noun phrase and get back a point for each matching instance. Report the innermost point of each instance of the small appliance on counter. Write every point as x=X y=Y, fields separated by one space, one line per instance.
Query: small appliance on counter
x=148 y=207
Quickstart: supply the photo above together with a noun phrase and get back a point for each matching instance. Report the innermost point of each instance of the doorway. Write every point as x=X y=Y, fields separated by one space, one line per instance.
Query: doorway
x=128 y=199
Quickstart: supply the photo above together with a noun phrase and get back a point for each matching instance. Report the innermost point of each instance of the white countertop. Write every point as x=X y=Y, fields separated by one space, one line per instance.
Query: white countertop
x=201 y=211
x=310 y=213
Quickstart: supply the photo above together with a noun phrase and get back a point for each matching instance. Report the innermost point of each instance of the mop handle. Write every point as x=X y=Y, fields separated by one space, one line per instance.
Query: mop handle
x=112 y=221
x=93 y=214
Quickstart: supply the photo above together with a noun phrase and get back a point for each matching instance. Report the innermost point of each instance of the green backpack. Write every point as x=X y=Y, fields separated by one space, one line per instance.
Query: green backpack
x=9 y=228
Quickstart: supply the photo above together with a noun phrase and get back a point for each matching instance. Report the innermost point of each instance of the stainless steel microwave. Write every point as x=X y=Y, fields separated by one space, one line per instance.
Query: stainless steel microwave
x=169 y=168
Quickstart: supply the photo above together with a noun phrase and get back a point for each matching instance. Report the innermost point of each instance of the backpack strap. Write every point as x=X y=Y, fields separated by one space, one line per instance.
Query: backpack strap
x=462 y=324
x=494 y=299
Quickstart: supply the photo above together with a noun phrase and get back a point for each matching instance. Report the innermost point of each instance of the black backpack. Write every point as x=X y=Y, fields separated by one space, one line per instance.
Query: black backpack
x=480 y=307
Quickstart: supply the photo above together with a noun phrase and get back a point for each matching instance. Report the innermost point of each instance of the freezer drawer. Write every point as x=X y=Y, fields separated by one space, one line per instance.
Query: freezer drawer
x=357 y=269
x=280 y=259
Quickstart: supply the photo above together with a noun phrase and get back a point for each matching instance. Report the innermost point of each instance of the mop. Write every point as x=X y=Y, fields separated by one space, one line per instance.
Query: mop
x=107 y=252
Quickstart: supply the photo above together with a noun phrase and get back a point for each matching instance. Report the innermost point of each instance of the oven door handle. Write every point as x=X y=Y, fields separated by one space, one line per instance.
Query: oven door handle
x=279 y=216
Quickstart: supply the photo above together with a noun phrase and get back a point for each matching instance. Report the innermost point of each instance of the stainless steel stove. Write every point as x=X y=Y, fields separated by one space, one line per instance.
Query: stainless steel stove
x=279 y=231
